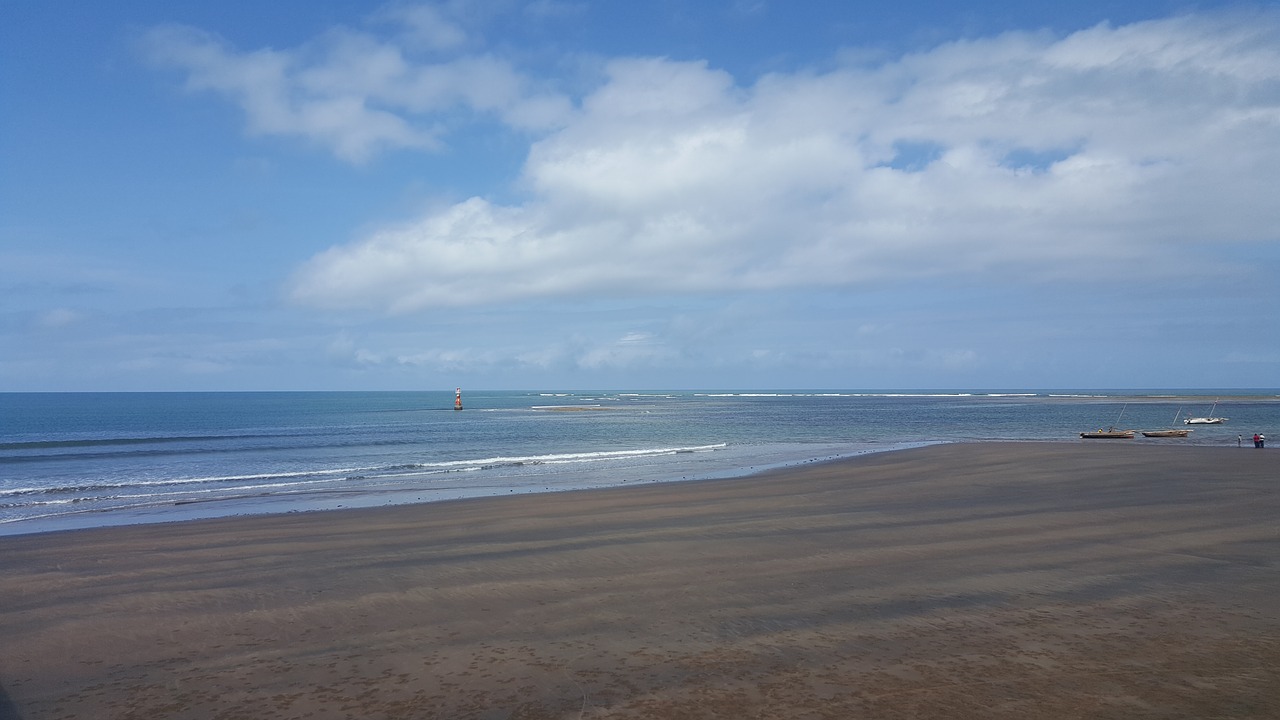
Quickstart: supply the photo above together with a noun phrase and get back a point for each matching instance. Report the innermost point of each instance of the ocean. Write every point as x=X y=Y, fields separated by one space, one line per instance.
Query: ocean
x=73 y=460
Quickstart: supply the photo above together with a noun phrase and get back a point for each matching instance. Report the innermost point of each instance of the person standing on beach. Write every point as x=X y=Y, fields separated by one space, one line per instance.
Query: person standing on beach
x=1262 y=441
x=1255 y=440
x=1239 y=439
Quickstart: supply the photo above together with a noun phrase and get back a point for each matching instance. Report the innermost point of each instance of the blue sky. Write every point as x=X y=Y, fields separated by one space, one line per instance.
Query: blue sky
x=603 y=195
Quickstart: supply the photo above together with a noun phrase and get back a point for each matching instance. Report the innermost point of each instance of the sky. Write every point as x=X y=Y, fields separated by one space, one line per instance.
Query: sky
x=596 y=195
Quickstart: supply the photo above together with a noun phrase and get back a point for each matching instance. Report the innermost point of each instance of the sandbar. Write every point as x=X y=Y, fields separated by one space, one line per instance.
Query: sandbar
x=980 y=580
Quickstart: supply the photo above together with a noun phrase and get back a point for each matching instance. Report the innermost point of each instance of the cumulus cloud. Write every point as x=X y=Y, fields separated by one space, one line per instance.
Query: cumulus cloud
x=356 y=93
x=1109 y=150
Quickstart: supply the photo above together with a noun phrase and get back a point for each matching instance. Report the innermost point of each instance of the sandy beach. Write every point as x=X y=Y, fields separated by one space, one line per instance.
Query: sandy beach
x=1001 y=580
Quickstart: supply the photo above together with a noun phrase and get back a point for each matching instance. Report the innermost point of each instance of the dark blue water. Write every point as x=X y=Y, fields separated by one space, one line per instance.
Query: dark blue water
x=83 y=459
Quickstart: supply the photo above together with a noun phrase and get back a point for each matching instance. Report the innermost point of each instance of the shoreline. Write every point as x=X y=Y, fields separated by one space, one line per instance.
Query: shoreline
x=335 y=499
x=88 y=460
x=983 y=580
x=338 y=499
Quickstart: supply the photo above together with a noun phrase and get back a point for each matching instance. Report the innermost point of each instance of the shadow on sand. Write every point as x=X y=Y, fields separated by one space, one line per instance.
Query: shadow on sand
x=8 y=711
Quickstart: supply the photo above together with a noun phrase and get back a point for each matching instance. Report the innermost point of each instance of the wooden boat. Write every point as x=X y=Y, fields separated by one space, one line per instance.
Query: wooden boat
x=1164 y=433
x=1210 y=420
x=1171 y=432
x=1110 y=433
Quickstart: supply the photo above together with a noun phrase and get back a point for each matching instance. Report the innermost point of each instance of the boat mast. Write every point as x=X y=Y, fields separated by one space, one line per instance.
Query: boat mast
x=1122 y=408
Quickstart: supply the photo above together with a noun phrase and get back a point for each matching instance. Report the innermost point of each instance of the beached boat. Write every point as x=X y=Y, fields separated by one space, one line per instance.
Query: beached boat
x=1209 y=420
x=1164 y=433
x=1171 y=432
x=1110 y=433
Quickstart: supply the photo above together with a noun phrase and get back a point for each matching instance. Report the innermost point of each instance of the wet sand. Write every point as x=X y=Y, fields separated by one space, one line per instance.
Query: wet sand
x=1003 y=580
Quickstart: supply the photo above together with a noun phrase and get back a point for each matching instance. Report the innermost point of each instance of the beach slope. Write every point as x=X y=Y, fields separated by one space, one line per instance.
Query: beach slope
x=992 y=580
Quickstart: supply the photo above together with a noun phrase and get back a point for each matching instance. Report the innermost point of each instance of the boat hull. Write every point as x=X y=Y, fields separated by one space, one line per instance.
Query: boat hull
x=1108 y=435
x=1164 y=433
x=1209 y=419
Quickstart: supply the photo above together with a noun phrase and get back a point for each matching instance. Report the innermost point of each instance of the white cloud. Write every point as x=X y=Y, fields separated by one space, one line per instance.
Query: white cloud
x=1101 y=153
x=635 y=349
x=356 y=93
x=426 y=25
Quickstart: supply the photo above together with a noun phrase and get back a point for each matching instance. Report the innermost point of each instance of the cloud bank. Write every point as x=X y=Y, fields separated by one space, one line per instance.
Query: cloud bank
x=1103 y=153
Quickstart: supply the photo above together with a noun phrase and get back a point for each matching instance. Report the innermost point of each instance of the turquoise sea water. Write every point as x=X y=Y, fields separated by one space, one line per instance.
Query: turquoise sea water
x=87 y=459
